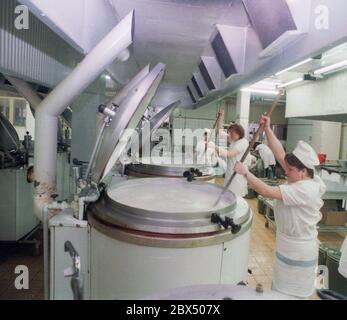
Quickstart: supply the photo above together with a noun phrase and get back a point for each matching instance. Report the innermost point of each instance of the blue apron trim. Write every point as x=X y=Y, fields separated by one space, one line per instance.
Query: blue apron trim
x=296 y=263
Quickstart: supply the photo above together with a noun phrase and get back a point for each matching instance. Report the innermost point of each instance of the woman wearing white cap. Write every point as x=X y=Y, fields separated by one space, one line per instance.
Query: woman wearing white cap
x=296 y=214
x=205 y=155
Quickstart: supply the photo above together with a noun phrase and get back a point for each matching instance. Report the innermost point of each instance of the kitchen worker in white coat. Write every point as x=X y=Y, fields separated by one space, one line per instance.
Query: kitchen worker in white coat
x=237 y=147
x=267 y=156
x=205 y=155
x=296 y=214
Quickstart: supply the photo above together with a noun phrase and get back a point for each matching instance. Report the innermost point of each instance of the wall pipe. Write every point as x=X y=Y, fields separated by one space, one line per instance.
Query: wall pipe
x=46 y=124
x=34 y=99
x=26 y=91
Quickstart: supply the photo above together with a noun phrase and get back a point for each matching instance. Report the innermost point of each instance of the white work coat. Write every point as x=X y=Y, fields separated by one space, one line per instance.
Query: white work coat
x=204 y=155
x=250 y=161
x=239 y=183
x=266 y=155
x=343 y=259
x=297 y=246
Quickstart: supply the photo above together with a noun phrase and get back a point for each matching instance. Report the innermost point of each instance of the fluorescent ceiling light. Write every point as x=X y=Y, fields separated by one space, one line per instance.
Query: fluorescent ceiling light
x=294 y=66
x=332 y=68
x=254 y=90
x=291 y=82
x=268 y=82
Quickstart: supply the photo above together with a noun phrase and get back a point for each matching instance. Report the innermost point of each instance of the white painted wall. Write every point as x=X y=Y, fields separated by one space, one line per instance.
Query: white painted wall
x=30 y=121
x=323 y=136
x=298 y=130
x=243 y=102
x=323 y=97
x=210 y=112
x=84 y=120
x=326 y=138
x=29 y=125
x=343 y=148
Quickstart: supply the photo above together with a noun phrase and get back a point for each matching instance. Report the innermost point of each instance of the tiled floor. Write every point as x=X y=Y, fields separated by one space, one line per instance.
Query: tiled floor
x=260 y=261
x=12 y=256
x=262 y=250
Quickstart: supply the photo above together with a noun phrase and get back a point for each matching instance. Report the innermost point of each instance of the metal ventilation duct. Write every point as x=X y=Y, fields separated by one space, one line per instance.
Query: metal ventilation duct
x=197 y=88
x=265 y=14
x=199 y=84
x=229 y=46
x=191 y=94
x=193 y=91
x=211 y=72
x=206 y=76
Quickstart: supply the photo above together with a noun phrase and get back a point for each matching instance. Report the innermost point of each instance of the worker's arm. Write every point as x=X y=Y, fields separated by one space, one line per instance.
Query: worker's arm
x=274 y=144
x=224 y=152
x=256 y=184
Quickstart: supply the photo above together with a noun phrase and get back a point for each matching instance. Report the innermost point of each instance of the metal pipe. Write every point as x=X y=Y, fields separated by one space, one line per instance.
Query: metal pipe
x=26 y=91
x=64 y=94
x=95 y=149
x=45 y=254
x=83 y=200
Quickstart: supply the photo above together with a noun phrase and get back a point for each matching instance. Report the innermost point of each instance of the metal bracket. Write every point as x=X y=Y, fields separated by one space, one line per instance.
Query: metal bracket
x=216 y=218
x=191 y=174
x=77 y=279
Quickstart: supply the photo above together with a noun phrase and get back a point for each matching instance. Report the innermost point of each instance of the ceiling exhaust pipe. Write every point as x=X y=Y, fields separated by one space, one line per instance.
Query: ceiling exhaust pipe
x=34 y=99
x=26 y=91
x=46 y=124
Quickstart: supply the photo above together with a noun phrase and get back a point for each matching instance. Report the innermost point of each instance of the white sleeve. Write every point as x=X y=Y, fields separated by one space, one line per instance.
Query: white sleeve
x=241 y=146
x=295 y=194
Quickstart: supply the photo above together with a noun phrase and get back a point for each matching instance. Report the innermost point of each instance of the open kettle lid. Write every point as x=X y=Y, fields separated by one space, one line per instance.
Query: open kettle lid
x=135 y=97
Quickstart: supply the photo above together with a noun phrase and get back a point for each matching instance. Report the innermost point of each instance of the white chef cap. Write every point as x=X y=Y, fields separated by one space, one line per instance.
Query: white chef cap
x=208 y=131
x=305 y=153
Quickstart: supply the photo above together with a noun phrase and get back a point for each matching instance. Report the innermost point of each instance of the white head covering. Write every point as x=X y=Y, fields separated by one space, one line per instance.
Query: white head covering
x=305 y=153
x=208 y=131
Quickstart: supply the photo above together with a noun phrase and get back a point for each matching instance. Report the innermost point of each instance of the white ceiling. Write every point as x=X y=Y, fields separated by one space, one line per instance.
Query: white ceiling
x=177 y=32
x=328 y=58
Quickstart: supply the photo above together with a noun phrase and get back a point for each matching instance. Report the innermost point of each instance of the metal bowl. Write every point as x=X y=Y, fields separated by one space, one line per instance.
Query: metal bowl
x=164 y=205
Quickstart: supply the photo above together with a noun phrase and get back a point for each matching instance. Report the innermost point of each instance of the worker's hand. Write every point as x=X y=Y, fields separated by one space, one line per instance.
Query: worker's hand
x=221 y=112
x=240 y=168
x=265 y=120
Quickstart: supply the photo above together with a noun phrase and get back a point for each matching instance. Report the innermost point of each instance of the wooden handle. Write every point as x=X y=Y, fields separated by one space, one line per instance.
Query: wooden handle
x=214 y=128
x=260 y=129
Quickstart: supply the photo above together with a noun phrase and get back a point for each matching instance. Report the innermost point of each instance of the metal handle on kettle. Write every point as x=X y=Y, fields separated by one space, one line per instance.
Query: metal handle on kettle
x=216 y=218
x=326 y=294
x=74 y=272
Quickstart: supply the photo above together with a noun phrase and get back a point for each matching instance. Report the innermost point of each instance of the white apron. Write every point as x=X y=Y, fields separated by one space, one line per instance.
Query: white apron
x=343 y=259
x=295 y=264
x=239 y=183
